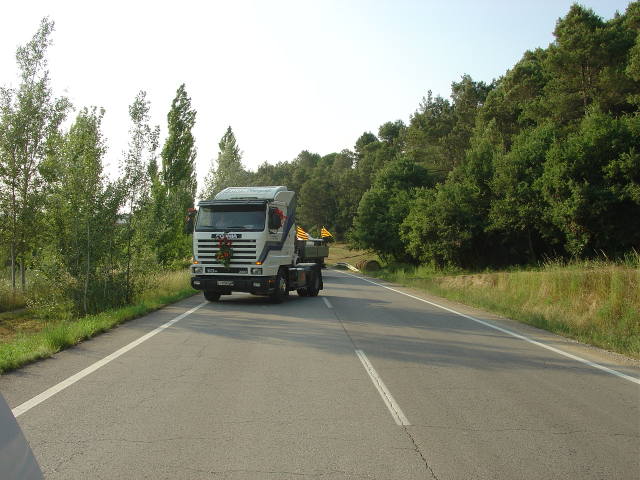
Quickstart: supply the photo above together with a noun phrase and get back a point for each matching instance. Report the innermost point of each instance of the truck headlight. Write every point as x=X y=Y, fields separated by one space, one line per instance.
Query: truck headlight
x=256 y=271
x=197 y=269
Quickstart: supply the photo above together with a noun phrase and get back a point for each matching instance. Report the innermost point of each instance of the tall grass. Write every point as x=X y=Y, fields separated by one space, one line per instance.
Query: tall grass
x=163 y=288
x=9 y=299
x=596 y=302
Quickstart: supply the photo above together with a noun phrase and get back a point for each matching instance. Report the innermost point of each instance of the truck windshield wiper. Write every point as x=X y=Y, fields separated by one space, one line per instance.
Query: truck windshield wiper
x=235 y=227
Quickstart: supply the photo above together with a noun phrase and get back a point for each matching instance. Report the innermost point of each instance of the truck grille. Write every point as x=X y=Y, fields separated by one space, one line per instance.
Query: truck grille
x=243 y=251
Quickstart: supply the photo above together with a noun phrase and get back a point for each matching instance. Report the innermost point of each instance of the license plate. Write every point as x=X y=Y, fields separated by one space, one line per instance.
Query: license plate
x=225 y=283
x=230 y=236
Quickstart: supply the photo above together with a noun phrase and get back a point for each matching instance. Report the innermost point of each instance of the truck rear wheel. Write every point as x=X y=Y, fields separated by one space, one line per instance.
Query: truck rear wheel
x=211 y=296
x=314 y=288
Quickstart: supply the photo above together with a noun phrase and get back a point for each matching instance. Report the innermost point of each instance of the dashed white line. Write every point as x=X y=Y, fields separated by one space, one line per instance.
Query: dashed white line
x=509 y=332
x=50 y=392
x=327 y=302
x=389 y=401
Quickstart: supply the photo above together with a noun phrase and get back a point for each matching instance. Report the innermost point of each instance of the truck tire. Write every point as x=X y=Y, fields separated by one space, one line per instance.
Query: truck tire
x=281 y=290
x=211 y=296
x=314 y=288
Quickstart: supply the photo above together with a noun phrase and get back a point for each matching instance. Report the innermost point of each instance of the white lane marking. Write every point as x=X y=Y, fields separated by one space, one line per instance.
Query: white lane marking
x=389 y=401
x=509 y=332
x=327 y=303
x=50 y=392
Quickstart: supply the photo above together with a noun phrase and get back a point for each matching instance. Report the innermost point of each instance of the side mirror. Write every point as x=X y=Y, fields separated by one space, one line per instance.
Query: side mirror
x=275 y=222
x=189 y=221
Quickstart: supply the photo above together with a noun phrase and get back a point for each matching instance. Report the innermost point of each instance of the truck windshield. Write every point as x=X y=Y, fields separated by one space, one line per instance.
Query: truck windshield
x=231 y=217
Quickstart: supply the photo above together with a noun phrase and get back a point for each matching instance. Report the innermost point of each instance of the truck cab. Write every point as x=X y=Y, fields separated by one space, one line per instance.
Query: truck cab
x=244 y=241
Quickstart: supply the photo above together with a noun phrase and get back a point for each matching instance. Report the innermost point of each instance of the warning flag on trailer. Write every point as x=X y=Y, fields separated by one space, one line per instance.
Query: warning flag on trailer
x=301 y=234
x=324 y=233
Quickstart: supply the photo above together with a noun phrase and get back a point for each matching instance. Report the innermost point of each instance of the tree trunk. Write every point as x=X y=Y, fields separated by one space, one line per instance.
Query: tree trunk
x=128 y=285
x=86 y=277
x=532 y=253
x=13 y=266
x=23 y=279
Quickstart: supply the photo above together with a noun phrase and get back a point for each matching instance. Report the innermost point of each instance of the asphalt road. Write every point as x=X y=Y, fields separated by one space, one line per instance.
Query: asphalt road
x=360 y=382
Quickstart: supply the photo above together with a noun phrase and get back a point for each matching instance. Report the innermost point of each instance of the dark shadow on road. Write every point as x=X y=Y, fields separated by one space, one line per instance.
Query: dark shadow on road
x=407 y=333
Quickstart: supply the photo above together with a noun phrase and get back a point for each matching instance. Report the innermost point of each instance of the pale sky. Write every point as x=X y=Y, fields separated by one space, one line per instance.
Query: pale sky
x=286 y=75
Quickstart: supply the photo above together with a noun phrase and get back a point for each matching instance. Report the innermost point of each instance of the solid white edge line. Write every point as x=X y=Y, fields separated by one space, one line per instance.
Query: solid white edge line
x=327 y=303
x=509 y=332
x=389 y=401
x=50 y=392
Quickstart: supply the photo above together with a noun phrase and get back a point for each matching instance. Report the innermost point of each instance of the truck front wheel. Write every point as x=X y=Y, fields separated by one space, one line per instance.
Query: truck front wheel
x=211 y=296
x=281 y=289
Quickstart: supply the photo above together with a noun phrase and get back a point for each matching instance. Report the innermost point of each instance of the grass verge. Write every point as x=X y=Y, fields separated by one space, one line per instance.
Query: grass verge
x=55 y=336
x=593 y=302
x=340 y=252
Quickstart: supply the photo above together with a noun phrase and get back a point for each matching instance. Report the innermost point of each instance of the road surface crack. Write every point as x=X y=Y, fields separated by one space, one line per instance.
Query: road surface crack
x=274 y=472
x=404 y=427
x=419 y=452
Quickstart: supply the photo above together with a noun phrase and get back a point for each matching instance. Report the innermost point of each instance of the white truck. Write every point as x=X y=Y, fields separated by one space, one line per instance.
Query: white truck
x=244 y=240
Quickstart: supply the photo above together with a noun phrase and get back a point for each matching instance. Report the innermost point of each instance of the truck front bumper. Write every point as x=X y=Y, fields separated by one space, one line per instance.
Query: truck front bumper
x=225 y=284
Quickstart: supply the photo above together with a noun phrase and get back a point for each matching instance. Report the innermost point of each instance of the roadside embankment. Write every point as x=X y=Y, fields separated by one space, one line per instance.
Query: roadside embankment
x=26 y=339
x=593 y=302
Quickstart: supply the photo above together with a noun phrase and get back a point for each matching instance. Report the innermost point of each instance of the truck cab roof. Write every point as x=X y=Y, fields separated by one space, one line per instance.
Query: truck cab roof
x=250 y=193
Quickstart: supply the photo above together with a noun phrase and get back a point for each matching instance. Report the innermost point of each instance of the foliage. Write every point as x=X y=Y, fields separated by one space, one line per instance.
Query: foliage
x=58 y=334
x=138 y=166
x=30 y=119
x=173 y=189
x=515 y=210
x=383 y=208
x=590 y=183
x=228 y=171
x=81 y=219
x=543 y=162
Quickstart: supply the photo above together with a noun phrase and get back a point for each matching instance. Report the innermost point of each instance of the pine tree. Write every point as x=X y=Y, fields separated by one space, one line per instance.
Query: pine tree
x=229 y=171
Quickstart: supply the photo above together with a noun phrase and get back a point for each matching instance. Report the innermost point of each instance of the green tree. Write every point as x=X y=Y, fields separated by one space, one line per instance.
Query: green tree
x=179 y=151
x=517 y=209
x=174 y=190
x=586 y=65
x=30 y=119
x=383 y=208
x=371 y=156
x=393 y=133
x=632 y=23
x=278 y=174
x=365 y=139
x=517 y=101
x=324 y=197
x=446 y=225
x=135 y=184
x=467 y=98
x=590 y=182
x=426 y=135
x=81 y=213
x=228 y=170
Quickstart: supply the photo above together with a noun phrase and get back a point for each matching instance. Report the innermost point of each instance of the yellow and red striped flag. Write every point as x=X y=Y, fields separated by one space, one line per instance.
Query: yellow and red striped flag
x=324 y=233
x=301 y=234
